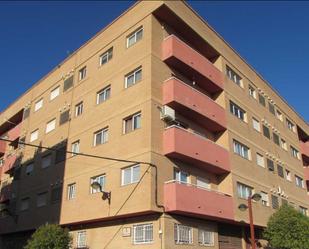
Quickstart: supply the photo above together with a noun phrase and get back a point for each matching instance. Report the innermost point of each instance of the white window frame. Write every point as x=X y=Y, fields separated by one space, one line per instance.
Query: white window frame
x=283 y=144
x=264 y=199
x=299 y=181
x=101 y=179
x=233 y=76
x=241 y=150
x=181 y=230
x=294 y=152
x=206 y=236
x=134 y=122
x=145 y=229
x=71 y=191
x=79 y=108
x=75 y=147
x=244 y=191
x=203 y=183
x=38 y=104
x=50 y=126
x=135 y=37
x=82 y=73
x=132 y=181
x=279 y=115
x=34 y=135
x=288 y=175
x=252 y=91
x=108 y=54
x=106 y=92
x=303 y=210
x=81 y=239
x=238 y=112
x=55 y=93
x=260 y=160
x=179 y=174
x=133 y=74
x=290 y=125
x=104 y=136
x=256 y=124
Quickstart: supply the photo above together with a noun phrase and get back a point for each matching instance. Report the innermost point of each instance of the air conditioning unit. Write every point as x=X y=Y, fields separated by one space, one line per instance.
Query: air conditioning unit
x=167 y=114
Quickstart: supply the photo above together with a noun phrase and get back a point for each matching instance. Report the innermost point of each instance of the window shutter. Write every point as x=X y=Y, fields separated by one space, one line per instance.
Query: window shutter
x=270 y=165
x=275 y=202
x=64 y=117
x=280 y=171
x=68 y=83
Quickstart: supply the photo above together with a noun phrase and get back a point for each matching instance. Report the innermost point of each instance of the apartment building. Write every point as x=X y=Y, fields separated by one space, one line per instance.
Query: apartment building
x=175 y=127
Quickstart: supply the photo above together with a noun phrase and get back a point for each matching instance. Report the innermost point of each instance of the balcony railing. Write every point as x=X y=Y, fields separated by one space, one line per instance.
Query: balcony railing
x=194 y=104
x=191 y=63
x=192 y=200
x=194 y=149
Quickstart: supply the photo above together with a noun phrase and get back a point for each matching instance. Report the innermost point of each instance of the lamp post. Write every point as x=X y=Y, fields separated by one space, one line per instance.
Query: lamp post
x=244 y=207
x=106 y=195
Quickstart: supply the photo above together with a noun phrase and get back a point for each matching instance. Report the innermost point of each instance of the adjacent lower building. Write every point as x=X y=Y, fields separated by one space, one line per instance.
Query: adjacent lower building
x=175 y=127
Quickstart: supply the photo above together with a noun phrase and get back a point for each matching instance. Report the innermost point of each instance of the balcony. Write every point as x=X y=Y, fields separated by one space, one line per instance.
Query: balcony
x=188 y=61
x=304 y=148
x=14 y=133
x=192 y=200
x=306 y=173
x=194 y=149
x=2 y=147
x=194 y=104
x=9 y=163
x=5 y=193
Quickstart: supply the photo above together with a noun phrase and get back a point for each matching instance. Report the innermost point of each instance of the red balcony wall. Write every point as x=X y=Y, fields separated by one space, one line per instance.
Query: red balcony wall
x=194 y=104
x=190 y=200
x=9 y=163
x=194 y=149
x=2 y=147
x=188 y=61
x=14 y=133
x=304 y=149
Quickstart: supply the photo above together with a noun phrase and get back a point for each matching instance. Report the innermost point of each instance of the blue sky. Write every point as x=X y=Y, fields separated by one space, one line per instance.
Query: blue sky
x=272 y=36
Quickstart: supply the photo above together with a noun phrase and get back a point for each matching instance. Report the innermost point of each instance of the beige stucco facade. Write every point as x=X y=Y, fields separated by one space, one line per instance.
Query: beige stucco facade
x=111 y=225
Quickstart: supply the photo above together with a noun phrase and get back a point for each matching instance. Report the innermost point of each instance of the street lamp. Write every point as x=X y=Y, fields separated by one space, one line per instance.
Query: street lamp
x=244 y=207
x=106 y=195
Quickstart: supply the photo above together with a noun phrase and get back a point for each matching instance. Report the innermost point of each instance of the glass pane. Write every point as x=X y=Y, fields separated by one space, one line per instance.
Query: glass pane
x=130 y=80
x=138 y=75
x=136 y=121
x=126 y=176
x=139 y=34
x=136 y=174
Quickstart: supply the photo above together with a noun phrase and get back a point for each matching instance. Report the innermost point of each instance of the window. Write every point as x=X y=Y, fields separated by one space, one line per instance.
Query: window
x=280 y=171
x=51 y=125
x=71 y=191
x=274 y=202
x=106 y=56
x=130 y=175
x=82 y=73
x=290 y=125
x=56 y=194
x=288 y=175
x=46 y=161
x=233 y=76
x=276 y=139
x=133 y=77
x=262 y=100
x=29 y=168
x=299 y=181
x=266 y=131
x=202 y=183
x=81 y=239
x=55 y=93
x=101 y=137
x=181 y=176
x=101 y=180
x=135 y=37
x=241 y=149
x=271 y=108
x=75 y=148
x=303 y=210
x=68 y=83
x=103 y=94
x=237 y=111
x=205 y=237
x=142 y=234
x=256 y=125
x=260 y=160
x=41 y=199
x=79 y=109
x=61 y=154
x=183 y=234
x=132 y=123
x=24 y=204
x=294 y=152
x=283 y=144
x=244 y=191
x=34 y=135
x=279 y=115
x=265 y=199
x=252 y=92
x=38 y=105
x=270 y=165
x=64 y=117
